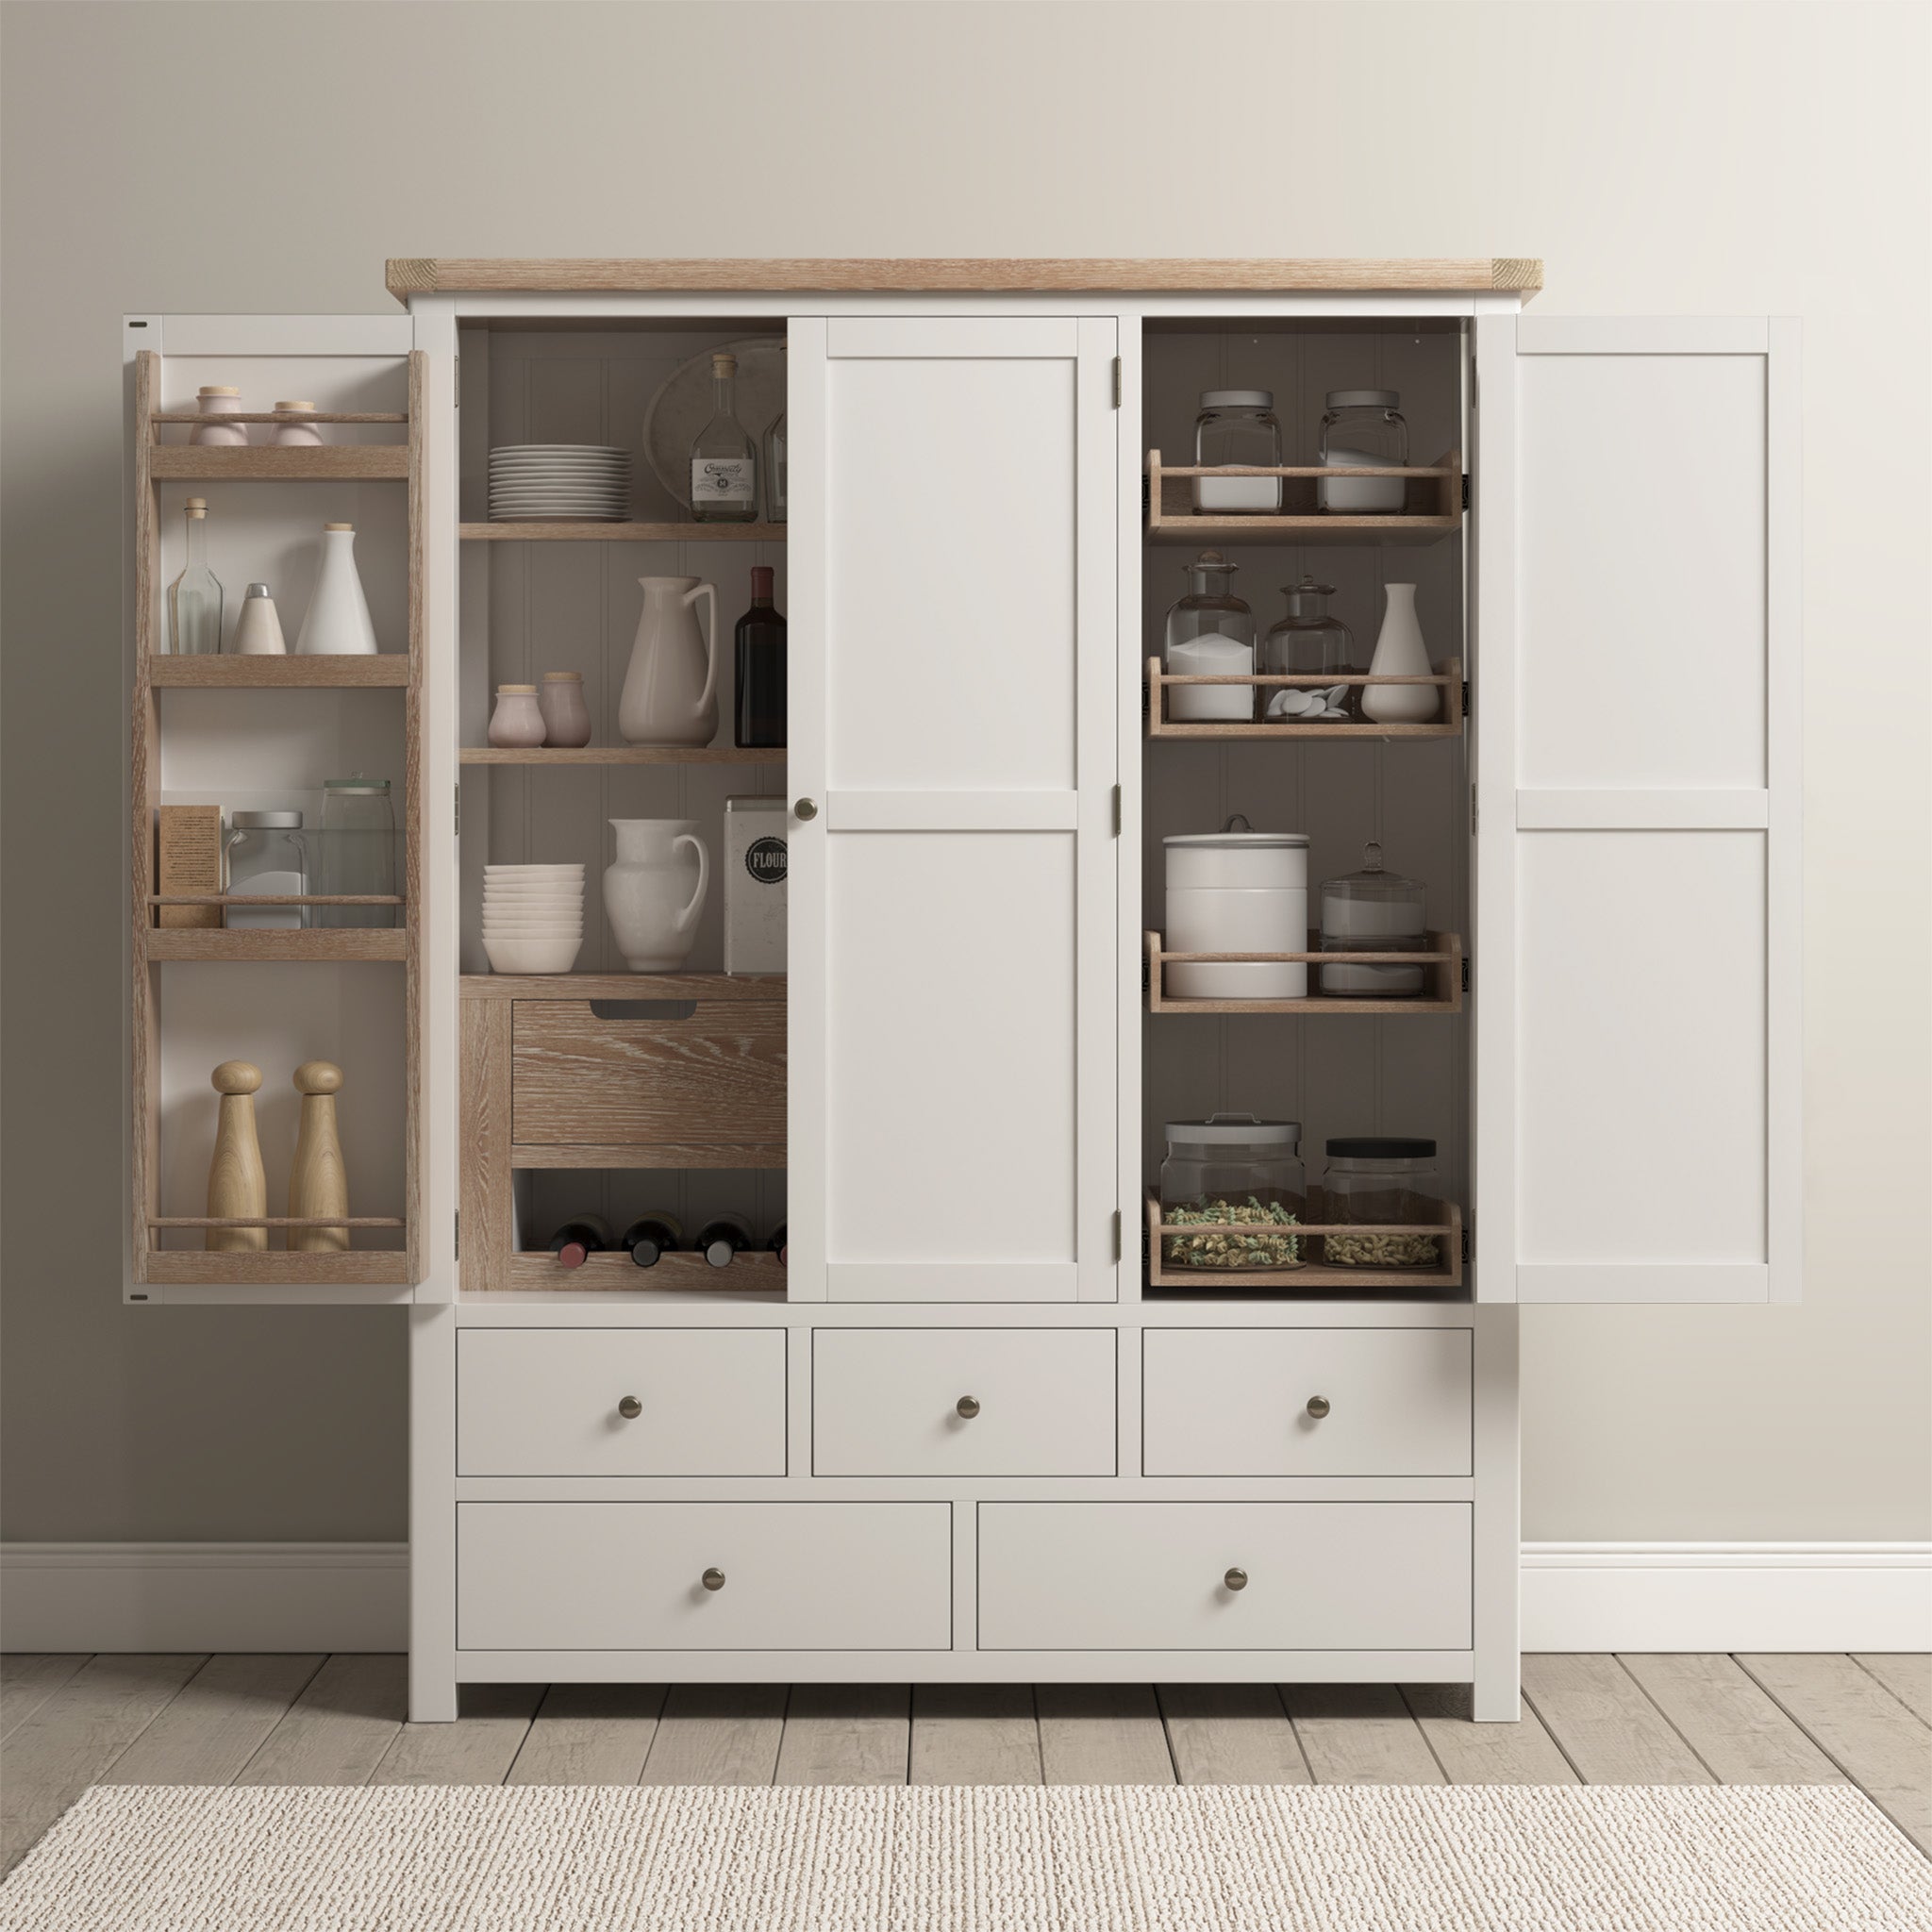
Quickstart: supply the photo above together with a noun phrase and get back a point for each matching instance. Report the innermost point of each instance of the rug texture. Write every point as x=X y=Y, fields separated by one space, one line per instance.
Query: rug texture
x=1081 y=1858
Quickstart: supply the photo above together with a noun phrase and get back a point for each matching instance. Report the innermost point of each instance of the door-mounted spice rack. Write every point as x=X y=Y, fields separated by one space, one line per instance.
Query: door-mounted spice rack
x=621 y=533
x=1160 y=682
x=1432 y=508
x=1316 y=1277
x=1443 y=958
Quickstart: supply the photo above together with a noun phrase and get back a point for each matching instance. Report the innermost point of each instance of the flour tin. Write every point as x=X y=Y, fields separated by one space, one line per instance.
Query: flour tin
x=755 y=867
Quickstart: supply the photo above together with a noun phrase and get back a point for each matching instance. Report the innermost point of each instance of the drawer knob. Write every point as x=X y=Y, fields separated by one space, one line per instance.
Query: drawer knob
x=1318 y=1407
x=630 y=1409
x=968 y=1407
x=1236 y=1579
x=806 y=808
x=712 y=1579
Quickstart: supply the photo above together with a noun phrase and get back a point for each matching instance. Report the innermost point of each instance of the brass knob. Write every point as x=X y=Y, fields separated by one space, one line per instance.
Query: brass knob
x=1236 y=1579
x=630 y=1409
x=968 y=1407
x=712 y=1579
x=1318 y=1407
x=806 y=808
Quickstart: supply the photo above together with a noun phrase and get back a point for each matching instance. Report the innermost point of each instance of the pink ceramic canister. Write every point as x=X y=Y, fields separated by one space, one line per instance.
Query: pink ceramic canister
x=566 y=717
x=296 y=435
x=215 y=401
x=516 y=724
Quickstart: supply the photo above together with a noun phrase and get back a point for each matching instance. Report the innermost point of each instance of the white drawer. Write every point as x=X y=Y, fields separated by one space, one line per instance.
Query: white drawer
x=552 y=1401
x=1236 y=1401
x=887 y=1402
x=630 y=1575
x=1153 y=1575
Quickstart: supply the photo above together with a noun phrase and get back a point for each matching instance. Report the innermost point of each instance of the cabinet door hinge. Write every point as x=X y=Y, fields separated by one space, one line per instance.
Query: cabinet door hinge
x=1147 y=493
x=1116 y=811
x=1473 y=814
x=1465 y=973
x=1146 y=973
x=1465 y=701
x=1116 y=1234
x=1116 y=382
x=1465 y=490
x=1468 y=1242
x=456 y=1235
x=459 y=812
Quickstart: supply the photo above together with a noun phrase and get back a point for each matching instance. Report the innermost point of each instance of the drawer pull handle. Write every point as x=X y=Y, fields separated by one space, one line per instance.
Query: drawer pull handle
x=1318 y=1407
x=642 y=1009
x=630 y=1409
x=968 y=1407
x=712 y=1579
x=1236 y=1579
x=806 y=808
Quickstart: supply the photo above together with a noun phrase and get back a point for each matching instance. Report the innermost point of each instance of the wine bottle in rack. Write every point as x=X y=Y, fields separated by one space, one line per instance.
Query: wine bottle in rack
x=651 y=1236
x=724 y=460
x=760 y=639
x=579 y=1238
x=776 y=1244
x=719 y=1240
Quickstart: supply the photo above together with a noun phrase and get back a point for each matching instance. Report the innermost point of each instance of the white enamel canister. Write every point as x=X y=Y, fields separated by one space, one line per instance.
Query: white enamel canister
x=1238 y=891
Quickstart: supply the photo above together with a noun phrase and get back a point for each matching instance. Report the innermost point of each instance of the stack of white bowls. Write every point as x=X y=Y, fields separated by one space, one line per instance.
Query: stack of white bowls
x=559 y=483
x=533 y=917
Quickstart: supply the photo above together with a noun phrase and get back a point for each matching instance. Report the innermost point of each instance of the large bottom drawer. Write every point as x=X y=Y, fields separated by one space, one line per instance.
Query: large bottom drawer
x=1224 y=1576
x=703 y=1575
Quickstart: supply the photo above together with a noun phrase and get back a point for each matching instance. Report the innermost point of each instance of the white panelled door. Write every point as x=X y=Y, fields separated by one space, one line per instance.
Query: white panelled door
x=1638 y=850
x=953 y=706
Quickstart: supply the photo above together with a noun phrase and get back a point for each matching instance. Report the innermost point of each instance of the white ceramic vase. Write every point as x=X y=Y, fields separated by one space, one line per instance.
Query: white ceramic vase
x=655 y=891
x=671 y=690
x=1400 y=651
x=259 y=630
x=337 y=623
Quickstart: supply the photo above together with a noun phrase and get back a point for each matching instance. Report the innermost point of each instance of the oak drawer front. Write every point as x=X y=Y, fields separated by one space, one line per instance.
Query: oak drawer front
x=632 y=1575
x=1305 y=1402
x=959 y=1402
x=692 y=1082
x=560 y=1402
x=1155 y=1575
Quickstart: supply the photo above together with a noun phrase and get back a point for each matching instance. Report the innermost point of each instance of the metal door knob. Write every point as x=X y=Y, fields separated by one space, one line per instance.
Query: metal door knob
x=968 y=1405
x=1318 y=1407
x=630 y=1409
x=712 y=1579
x=806 y=808
x=1236 y=1579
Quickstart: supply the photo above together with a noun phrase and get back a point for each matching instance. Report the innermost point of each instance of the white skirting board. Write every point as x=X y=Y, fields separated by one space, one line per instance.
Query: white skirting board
x=354 y=1596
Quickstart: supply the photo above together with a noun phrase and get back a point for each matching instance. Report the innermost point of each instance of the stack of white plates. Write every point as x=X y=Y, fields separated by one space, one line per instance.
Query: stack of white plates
x=559 y=483
x=533 y=917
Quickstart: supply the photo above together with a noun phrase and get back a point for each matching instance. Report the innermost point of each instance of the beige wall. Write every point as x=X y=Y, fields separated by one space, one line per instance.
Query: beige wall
x=1662 y=159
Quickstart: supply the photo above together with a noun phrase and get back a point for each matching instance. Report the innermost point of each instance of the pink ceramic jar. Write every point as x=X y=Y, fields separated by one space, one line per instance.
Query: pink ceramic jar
x=296 y=435
x=215 y=402
x=566 y=718
x=516 y=724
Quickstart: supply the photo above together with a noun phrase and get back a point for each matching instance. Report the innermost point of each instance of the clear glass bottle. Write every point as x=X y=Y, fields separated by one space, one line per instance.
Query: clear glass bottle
x=776 y=481
x=1374 y=910
x=1238 y=426
x=358 y=851
x=1210 y=633
x=1363 y=429
x=724 y=460
x=1241 y=1181
x=195 y=598
x=1310 y=641
x=1382 y=1181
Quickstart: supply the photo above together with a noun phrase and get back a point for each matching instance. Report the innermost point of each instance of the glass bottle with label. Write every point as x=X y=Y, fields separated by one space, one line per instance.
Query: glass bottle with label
x=195 y=598
x=724 y=460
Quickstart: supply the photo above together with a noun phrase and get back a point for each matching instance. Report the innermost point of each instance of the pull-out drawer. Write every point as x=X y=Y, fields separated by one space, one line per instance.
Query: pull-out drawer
x=962 y=1402
x=703 y=1575
x=1305 y=1402
x=1224 y=1576
x=619 y=1402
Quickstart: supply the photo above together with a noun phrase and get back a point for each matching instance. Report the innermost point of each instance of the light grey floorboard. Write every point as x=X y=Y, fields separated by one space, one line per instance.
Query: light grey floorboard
x=1729 y=1722
x=1605 y=1726
x=478 y=1749
x=74 y=1738
x=975 y=1734
x=717 y=1734
x=1360 y=1734
x=1102 y=1734
x=1908 y=1675
x=1472 y=1754
x=590 y=1734
x=846 y=1734
x=218 y=1722
x=29 y=1678
x=1861 y=1727
x=337 y=1731
x=1230 y=1734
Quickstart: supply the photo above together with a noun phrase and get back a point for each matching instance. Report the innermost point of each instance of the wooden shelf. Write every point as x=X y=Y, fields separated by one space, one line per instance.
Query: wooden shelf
x=620 y=986
x=1443 y=958
x=1160 y=682
x=621 y=533
x=1316 y=1279
x=621 y=754
x=198 y=420
x=389 y=667
x=342 y=944
x=328 y=462
x=759 y=1273
x=187 y=1267
x=1432 y=511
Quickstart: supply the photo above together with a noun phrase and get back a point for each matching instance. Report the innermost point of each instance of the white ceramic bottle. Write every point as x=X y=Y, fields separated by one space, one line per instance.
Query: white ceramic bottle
x=337 y=623
x=1400 y=651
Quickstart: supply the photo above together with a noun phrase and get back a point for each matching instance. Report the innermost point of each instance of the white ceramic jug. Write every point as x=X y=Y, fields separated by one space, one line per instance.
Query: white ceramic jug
x=671 y=689
x=337 y=623
x=648 y=896
x=1401 y=653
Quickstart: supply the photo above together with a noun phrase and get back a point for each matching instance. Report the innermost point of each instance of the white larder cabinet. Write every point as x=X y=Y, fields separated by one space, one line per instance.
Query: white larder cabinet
x=961 y=1409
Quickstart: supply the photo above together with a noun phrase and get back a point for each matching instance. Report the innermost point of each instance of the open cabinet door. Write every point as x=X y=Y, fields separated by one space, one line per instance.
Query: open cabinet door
x=1637 y=844
x=953 y=709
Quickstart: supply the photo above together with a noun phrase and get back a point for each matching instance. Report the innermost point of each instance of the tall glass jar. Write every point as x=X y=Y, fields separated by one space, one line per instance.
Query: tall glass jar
x=1241 y=1182
x=1363 y=429
x=1210 y=633
x=266 y=859
x=1382 y=1181
x=358 y=851
x=1310 y=641
x=1238 y=426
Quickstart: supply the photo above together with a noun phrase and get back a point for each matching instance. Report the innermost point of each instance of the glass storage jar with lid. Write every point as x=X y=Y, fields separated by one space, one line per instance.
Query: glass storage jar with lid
x=1312 y=640
x=1374 y=910
x=1382 y=1181
x=1240 y=1181
x=1238 y=426
x=359 y=850
x=1210 y=633
x=266 y=859
x=1363 y=429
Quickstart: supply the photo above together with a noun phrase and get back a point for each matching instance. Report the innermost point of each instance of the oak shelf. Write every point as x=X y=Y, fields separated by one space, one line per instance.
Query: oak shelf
x=621 y=754
x=328 y=462
x=620 y=986
x=621 y=533
x=1160 y=682
x=389 y=667
x=366 y=944
x=194 y=417
x=1443 y=958
x=1432 y=511
x=1315 y=1279
x=755 y=1271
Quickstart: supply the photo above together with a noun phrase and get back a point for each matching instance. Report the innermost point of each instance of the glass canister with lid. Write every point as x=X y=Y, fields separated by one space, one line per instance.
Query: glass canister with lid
x=1237 y=891
x=1210 y=633
x=1382 y=1181
x=358 y=851
x=266 y=859
x=1374 y=910
x=1363 y=429
x=1240 y=1182
x=1238 y=427
x=1312 y=640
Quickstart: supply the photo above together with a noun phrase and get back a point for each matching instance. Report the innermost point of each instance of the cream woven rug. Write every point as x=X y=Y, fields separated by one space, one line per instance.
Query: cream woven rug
x=1087 y=1858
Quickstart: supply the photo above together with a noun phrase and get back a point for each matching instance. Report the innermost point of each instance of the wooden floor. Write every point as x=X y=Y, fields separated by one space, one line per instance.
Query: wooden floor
x=70 y=1722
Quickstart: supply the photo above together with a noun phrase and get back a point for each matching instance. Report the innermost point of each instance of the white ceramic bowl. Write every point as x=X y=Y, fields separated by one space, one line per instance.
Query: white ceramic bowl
x=525 y=952
x=533 y=928
x=533 y=872
x=533 y=895
x=535 y=921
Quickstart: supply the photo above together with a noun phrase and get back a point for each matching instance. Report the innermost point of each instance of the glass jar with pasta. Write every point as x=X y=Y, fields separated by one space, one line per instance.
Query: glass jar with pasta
x=1385 y=1185
x=1236 y=1191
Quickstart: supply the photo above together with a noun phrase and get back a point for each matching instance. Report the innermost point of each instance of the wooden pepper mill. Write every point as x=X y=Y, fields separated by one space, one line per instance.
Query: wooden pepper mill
x=317 y=1183
x=236 y=1186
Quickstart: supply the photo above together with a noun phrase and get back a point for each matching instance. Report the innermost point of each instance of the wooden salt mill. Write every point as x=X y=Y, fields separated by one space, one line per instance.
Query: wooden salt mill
x=317 y=1183
x=236 y=1186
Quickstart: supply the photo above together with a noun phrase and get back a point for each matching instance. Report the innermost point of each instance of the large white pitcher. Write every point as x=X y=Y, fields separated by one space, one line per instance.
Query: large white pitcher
x=671 y=689
x=649 y=896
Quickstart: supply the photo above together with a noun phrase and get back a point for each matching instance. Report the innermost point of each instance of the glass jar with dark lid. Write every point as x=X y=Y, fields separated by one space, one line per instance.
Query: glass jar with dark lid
x=1387 y=1183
